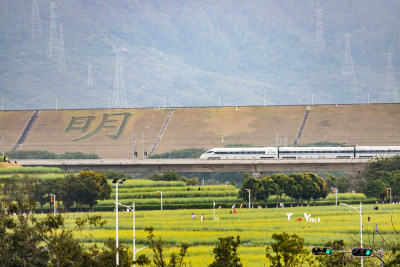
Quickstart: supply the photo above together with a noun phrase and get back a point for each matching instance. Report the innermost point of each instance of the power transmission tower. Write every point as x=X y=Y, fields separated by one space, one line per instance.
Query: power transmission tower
x=54 y=45
x=348 y=69
x=37 y=30
x=319 y=34
x=89 y=82
x=119 y=93
x=61 y=58
x=390 y=85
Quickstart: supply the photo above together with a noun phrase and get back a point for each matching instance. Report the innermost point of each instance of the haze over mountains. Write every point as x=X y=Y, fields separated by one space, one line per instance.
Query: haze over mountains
x=194 y=53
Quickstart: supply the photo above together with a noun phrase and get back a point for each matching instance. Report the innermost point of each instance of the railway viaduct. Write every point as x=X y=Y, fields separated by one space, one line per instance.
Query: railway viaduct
x=256 y=167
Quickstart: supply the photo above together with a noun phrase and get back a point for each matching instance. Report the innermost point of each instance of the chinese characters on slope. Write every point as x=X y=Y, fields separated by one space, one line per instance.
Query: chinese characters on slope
x=108 y=121
x=306 y=216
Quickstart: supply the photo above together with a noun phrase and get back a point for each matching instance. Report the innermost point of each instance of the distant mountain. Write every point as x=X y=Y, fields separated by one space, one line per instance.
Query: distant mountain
x=194 y=53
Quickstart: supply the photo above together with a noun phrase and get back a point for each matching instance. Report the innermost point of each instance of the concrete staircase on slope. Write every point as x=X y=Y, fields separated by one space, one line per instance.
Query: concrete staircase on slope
x=27 y=129
x=302 y=125
x=161 y=132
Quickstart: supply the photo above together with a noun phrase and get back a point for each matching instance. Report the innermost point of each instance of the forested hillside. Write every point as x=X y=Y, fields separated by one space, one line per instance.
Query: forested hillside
x=193 y=52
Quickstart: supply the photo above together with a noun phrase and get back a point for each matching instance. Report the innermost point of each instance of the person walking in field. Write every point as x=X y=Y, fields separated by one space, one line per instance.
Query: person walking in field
x=193 y=216
x=376 y=229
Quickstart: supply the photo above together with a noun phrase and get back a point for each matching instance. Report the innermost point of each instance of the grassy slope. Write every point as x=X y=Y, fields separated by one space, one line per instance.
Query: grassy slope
x=12 y=123
x=354 y=125
x=204 y=128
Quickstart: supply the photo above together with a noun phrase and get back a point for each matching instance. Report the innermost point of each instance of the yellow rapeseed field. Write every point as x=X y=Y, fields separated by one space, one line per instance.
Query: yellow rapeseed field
x=317 y=226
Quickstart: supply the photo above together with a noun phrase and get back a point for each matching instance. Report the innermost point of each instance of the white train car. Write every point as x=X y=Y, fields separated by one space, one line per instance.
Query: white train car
x=316 y=152
x=241 y=153
x=377 y=151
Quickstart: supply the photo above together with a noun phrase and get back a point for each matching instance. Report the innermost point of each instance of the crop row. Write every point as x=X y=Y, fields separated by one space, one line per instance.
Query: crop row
x=156 y=200
x=122 y=188
x=175 y=194
x=149 y=183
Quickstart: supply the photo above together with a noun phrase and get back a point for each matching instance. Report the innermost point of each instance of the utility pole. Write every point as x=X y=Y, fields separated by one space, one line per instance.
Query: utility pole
x=319 y=34
x=2 y=144
x=61 y=57
x=144 y=147
x=285 y=140
x=54 y=46
x=37 y=30
x=134 y=147
x=277 y=141
x=119 y=93
x=348 y=69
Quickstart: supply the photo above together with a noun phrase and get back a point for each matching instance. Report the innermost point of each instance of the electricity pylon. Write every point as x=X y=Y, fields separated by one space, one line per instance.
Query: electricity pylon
x=319 y=34
x=37 y=30
x=390 y=85
x=54 y=45
x=61 y=58
x=119 y=93
x=348 y=69
x=89 y=82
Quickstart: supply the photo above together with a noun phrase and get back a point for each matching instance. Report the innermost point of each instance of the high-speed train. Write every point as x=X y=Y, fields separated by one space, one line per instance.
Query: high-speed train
x=301 y=152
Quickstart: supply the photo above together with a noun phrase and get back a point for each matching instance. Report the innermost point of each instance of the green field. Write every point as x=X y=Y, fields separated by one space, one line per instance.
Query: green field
x=254 y=226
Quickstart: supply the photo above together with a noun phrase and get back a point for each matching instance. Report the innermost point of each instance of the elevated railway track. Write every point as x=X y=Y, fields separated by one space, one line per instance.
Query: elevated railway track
x=256 y=167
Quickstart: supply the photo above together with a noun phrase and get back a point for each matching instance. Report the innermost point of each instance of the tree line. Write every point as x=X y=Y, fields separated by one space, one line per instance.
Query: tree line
x=298 y=186
x=23 y=194
x=381 y=174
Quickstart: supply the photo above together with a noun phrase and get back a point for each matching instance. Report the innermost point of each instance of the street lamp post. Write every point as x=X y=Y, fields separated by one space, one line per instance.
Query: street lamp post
x=160 y=193
x=359 y=210
x=248 y=190
x=335 y=190
x=134 y=230
x=115 y=181
x=54 y=203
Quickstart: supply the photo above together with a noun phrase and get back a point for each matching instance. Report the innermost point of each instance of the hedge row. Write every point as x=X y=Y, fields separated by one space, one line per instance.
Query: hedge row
x=30 y=170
